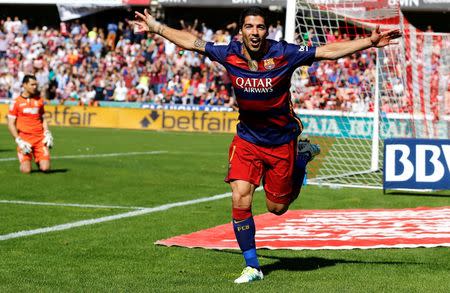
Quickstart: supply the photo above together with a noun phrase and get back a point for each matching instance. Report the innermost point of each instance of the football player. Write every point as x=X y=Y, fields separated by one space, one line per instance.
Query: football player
x=266 y=147
x=27 y=125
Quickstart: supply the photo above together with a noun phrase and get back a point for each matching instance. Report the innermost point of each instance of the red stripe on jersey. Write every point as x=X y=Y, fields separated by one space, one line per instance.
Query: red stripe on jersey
x=278 y=113
x=271 y=84
x=263 y=65
x=261 y=121
x=251 y=120
x=237 y=61
x=281 y=120
x=264 y=105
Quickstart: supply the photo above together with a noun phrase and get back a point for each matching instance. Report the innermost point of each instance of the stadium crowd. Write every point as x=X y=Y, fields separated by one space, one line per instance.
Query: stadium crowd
x=92 y=64
x=112 y=64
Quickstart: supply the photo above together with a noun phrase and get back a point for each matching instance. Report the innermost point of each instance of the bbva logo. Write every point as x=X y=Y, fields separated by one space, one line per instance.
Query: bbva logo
x=428 y=162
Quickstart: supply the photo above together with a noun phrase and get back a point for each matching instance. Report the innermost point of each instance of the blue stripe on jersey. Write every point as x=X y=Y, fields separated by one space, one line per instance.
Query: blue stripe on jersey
x=268 y=135
x=274 y=112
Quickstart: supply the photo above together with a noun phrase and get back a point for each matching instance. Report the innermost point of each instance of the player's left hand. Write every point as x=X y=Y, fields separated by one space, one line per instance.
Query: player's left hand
x=380 y=39
x=48 y=139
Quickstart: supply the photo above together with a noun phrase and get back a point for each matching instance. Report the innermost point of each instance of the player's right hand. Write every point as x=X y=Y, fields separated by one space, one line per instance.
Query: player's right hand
x=23 y=145
x=145 y=23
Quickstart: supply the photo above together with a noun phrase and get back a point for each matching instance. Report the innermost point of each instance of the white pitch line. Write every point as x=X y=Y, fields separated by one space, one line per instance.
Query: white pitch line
x=111 y=218
x=39 y=203
x=96 y=155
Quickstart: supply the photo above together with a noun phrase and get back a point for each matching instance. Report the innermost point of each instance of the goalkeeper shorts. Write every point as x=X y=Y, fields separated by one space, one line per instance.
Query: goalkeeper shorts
x=39 y=151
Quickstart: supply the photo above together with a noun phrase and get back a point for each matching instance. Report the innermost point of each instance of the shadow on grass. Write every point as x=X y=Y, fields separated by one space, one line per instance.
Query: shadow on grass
x=51 y=171
x=312 y=263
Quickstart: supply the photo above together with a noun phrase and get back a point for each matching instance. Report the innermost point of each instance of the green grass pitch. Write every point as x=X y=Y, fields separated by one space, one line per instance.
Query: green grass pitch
x=120 y=256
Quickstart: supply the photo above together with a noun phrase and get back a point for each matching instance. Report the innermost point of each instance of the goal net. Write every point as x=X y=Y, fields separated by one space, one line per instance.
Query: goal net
x=349 y=106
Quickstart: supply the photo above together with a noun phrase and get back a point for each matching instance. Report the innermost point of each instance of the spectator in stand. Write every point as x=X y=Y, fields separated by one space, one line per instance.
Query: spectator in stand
x=3 y=45
x=70 y=62
x=329 y=35
x=272 y=32
x=88 y=96
x=112 y=33
x=7 y=25
x=96 y=47
x=120 y=92
x=75 y=28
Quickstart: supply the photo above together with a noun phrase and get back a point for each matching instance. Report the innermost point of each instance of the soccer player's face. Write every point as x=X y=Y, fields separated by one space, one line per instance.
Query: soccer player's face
x=31 y=87
x=254 y=32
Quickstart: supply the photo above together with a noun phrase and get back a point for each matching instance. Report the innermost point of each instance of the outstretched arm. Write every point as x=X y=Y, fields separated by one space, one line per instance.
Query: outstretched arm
x=340 y=49
x=147 y=23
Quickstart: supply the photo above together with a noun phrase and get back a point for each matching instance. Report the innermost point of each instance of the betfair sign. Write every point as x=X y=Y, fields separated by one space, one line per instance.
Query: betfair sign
x=103 y=117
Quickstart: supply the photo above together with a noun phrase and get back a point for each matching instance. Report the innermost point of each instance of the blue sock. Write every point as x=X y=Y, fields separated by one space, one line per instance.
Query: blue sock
x=300 y=167
x=245 y=236
x=299 y=174
x=302 y=160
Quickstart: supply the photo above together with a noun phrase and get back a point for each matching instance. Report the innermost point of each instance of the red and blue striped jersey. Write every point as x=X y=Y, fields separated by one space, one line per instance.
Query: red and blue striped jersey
x=266 y=116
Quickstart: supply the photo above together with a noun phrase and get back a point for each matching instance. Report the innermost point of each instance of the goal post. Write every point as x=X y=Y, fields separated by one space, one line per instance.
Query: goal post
x=349 y=106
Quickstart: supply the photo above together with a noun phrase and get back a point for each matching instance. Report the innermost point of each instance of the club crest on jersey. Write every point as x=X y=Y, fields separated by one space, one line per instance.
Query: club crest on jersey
x=269 y=64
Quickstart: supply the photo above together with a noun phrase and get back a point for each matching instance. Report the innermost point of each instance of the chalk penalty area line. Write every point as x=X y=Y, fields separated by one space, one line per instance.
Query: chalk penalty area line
x=135 y=213
x=96 y=155
x=123 y=155
x=77 y=205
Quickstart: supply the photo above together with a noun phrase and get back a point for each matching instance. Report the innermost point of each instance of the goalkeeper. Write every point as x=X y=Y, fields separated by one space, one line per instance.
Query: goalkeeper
x=27 y=125
x=265 y=147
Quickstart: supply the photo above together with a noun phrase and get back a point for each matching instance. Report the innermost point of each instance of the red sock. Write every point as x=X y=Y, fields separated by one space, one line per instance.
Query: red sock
x=240 y=214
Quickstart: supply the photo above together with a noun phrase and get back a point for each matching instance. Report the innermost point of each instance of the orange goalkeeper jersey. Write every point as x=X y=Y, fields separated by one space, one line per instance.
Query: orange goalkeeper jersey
x=28 y=113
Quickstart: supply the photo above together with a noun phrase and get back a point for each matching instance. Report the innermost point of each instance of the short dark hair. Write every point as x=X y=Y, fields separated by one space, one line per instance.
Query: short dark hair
x=27 y=78
x=253 y=11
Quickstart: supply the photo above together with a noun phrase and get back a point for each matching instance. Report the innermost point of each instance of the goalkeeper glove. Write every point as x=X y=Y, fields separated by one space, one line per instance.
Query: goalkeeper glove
x=23 y=145
x=48 y=139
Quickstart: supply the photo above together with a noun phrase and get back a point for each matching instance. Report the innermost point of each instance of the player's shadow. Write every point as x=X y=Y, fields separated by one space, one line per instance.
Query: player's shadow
x=51 y=171
x=313 y=263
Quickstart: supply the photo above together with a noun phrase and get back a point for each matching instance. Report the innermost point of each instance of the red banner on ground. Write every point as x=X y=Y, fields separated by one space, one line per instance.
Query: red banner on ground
x=333 y=229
